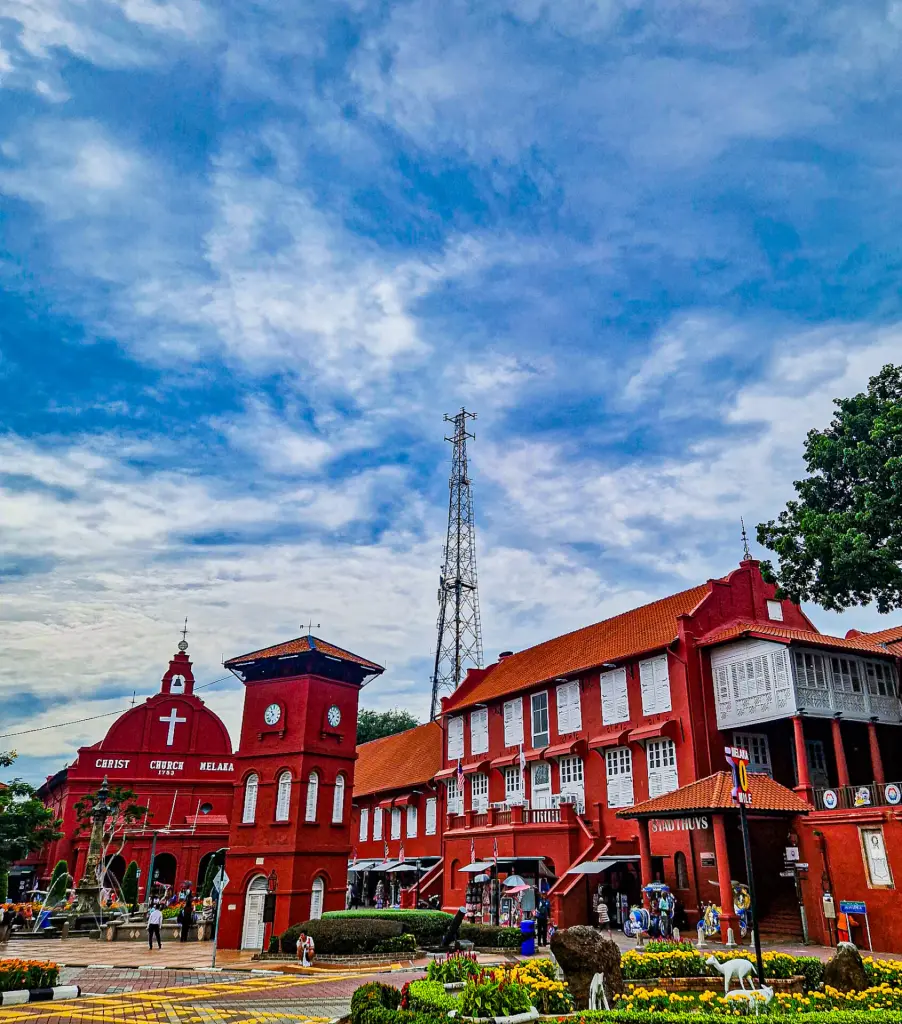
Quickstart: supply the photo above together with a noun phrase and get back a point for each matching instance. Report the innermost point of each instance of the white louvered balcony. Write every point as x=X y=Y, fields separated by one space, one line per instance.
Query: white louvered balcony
x=756 y=681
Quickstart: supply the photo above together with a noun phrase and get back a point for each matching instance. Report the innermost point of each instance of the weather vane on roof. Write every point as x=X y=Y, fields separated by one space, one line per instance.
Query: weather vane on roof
x=310 y=627
x=183 y=643
x=747 y=555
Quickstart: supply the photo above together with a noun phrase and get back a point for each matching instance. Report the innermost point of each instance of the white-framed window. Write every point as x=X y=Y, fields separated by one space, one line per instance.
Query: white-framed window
x=619 y=771
x=654 y=680
x=455 y=738
x=513 y=784
x=377 y=823
x=811 y=672
x=847 y=675
x=411 y=822
x=539 y=705
x=249 y=810
x=364 y=824
x=775 y=610
x=338 y=799
x=479 y=792
x=880 y=679
x=662 y=767
x=880 y=875
x=569 y=708
x=431 y=815
x=312 y=797
x=479 y=731
x=571 y=770
x=396 y=822
x=513 y=722
x=317 y=893
x=455 y=797
x=759 y=750
x=615 y=702
x=283 y=797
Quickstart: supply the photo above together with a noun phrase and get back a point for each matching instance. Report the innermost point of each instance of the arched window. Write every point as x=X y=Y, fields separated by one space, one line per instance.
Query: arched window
x=312 y=796
x=250 y=799
x=338 y=799
x=316 y=899
x=283 y=800
x=682 y=872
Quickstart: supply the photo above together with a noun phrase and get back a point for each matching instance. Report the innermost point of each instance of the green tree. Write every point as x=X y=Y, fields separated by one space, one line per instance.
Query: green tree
x=25 y=823
x=373 y=725
x=213 y=868
x=130 y=885
x=59 y=881
x=123 y=805
x=4 y=883
x=840 y=543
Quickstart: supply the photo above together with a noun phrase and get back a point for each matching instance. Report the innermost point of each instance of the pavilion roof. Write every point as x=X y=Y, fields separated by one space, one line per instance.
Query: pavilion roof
x=303 y=645
x=713 y=794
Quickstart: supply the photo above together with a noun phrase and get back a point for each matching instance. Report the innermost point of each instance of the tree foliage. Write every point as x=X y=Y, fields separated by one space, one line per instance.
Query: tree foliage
x=213 y=868
x=840 y=543
x=373 y=725
x=59 y=881
x=130 y=885
x=25 y=823
x=125 y=811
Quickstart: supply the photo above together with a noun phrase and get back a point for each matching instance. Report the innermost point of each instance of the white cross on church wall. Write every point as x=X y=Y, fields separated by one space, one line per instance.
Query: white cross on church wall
x=173 y=719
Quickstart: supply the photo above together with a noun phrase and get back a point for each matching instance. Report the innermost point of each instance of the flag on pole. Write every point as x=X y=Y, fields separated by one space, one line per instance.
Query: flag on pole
x=495 y=851
x=523 y=766
x=460 y=775
x=385 y=850
x=354 y=855
x=401 y=854
x=472 y=851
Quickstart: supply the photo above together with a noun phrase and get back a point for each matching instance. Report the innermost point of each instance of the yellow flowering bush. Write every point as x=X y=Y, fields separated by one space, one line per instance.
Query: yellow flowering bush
x=877 y=998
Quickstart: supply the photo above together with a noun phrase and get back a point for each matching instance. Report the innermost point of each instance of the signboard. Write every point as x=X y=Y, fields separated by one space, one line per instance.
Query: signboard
x=852 y=907
x=802 y=865
x=738 y=760
x=829 y=907
x=831 y=799
x=221 y=880
x=792 y=853
x=787 y=874
x=892 y=794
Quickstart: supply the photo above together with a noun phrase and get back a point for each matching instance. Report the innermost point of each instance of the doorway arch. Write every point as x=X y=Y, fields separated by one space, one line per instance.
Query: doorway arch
x=202 y=871
x=164 y=868
x=317 y=895
x=252 y=932
x=115 y=869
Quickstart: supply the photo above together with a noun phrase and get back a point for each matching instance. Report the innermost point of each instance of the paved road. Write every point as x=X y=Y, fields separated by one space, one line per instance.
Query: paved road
x=180 y=997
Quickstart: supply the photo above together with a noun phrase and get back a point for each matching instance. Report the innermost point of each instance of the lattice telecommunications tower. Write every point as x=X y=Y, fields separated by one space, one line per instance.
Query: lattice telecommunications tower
x=459 y=644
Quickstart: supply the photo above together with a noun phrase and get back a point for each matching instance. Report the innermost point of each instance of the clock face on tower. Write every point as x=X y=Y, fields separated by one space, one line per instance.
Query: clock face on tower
x=334 y=716
x=272 y=714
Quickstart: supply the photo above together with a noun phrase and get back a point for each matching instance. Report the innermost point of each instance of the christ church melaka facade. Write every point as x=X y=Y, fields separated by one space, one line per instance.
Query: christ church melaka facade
x=176 y=755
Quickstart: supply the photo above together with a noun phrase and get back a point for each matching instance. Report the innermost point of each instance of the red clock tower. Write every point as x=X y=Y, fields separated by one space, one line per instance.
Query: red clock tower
x=294 y=773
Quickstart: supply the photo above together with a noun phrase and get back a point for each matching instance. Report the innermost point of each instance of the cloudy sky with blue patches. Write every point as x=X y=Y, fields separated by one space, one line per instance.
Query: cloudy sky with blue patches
x=251 y=253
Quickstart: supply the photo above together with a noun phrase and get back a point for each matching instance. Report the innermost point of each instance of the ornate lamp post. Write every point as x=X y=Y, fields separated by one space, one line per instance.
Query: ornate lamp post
x=87 y=892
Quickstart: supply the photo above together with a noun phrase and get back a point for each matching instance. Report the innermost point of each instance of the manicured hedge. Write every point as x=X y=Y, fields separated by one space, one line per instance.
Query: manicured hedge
x=664 y=1017
x=488 y=935
x=373 y=995
x=341 y=938
x=19 y=974
x=427 y=925
x=397 y=944
x=690 y=963
x=429 y=997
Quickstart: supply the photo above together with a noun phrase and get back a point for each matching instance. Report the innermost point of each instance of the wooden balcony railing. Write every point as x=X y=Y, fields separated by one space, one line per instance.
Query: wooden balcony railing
x=850 y=798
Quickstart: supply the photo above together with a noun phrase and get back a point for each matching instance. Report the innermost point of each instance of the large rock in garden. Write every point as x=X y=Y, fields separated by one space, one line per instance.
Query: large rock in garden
x=846 y=971
x=582 y=953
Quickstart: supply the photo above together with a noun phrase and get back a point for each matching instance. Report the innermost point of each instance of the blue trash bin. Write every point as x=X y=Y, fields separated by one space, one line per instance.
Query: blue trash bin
x=528 y=942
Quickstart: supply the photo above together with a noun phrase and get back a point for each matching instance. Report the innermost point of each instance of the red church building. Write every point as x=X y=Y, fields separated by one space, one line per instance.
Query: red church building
x=176 y=755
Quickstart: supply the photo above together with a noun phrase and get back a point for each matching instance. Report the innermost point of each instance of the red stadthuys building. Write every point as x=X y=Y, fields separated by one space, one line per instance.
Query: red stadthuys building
x=294 y=772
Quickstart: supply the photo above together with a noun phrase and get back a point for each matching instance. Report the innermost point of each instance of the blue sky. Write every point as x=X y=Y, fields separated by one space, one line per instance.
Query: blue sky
x=250 y=254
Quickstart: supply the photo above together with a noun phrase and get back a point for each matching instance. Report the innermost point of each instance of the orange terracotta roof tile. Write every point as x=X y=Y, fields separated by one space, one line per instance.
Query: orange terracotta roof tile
x=713 y=794
x=406 y=759
x=891 y=635
x=299 y=646
x=634 y=632
x=771 y=630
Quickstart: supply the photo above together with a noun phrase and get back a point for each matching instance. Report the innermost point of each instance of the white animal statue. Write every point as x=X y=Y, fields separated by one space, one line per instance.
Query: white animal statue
x=731 y=969
x=598 y=998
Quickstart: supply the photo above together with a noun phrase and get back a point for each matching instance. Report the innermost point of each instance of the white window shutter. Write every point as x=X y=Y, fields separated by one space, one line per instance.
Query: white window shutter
x=608 y=699
x=338 y=799
x=662 y=684
x=509 y=732
x=576 y=709
x=479 y=731
x=647 y=686
x=283 y=797
x=377 y=823
x=312 y=796
x=431 y=815
x=455 y=738
x=411 y=821
x=518 y=721
x=364 y=824
x=563 y=709
x=250 y=799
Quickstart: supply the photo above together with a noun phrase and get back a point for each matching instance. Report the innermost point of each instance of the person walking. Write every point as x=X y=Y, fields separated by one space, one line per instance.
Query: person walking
x=154 y=925
x=604 y=916
x=186 y=917
x=543 y=908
